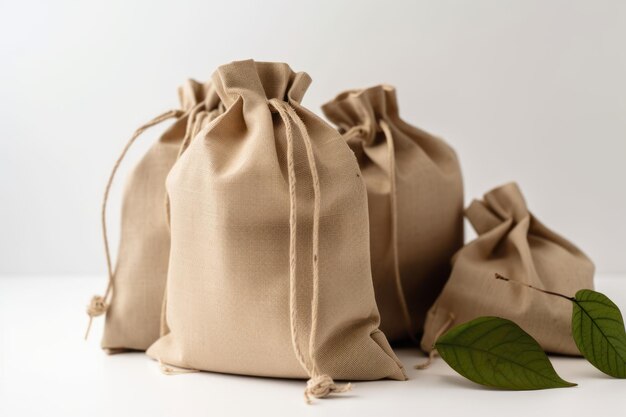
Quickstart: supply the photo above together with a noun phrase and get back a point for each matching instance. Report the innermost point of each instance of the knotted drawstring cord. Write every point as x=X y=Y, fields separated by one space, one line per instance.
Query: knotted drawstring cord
x=319 y=385
x=100 y=304
x=357 y=131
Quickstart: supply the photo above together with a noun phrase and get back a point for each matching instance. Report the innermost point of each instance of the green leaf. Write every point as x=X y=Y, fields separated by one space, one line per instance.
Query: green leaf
x=496 y=352
x=598 y=330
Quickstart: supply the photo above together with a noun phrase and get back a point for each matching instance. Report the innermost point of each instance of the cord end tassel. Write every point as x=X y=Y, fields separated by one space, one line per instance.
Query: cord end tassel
x=426 y=364
x=322 y=386
x=97 y=307
x=174 y=370
x=433 y=351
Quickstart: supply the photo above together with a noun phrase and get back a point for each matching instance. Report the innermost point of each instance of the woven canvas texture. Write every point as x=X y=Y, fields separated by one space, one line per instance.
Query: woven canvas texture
x=228 y=292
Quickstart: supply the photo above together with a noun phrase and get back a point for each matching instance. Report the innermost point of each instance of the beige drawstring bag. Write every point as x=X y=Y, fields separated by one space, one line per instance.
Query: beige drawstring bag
x=134 y=295
x=269 y=266
x=513 y=243
x=415 y=197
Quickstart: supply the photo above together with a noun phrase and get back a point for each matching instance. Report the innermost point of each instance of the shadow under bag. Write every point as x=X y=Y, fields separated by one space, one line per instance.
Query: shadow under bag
x=269 y=265
x=513 y=243
x=134 y=296
x=415 y=198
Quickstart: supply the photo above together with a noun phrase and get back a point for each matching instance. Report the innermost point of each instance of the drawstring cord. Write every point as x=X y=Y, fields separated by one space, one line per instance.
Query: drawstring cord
x=356 y=131
x=190 y=131
x=319 y=385
x=393 y=197
x=100 y=304
x=433 y=351
x=191 y=126
x=394 y=230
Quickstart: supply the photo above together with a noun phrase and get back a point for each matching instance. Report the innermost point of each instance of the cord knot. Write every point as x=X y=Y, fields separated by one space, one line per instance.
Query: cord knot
x=321 y=386
x=97 y=306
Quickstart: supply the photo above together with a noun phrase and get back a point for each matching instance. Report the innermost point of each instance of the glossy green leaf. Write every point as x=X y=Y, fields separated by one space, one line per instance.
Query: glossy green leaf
x=496 y=352
x=598 y=330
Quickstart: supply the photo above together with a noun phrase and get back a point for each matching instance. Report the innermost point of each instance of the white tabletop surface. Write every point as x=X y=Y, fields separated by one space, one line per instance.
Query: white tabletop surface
x=47 y=369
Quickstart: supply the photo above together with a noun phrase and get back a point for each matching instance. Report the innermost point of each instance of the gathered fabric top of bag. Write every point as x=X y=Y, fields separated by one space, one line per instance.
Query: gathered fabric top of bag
x=513 y=243
x=271 y=80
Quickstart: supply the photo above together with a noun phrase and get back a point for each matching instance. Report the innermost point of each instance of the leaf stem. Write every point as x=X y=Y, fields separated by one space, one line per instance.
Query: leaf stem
x=503 y=278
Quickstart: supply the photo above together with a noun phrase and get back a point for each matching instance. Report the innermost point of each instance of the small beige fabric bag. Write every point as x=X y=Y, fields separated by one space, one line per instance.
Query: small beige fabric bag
x=134 y=296
x=513 y=243
x=269 y=266
x=415 y=197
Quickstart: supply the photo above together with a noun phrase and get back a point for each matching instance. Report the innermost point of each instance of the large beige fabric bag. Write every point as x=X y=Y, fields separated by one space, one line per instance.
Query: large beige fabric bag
x=133 y=299
x=415 y=197
x=513 y=243
x=269 y=267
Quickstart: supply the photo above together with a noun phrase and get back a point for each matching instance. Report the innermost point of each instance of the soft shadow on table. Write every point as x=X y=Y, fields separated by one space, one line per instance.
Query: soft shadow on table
x=590 y=373
x=460 y=382
x=208 y=375
x=581 y=369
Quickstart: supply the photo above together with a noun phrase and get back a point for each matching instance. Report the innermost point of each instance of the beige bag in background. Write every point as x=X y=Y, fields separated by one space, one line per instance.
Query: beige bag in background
x=415 y=197
x=513 y=243
x=269 y=266
x=134 y=296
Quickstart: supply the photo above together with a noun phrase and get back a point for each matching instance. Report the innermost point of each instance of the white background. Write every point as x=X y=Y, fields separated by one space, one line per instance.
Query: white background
x=532 y=91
